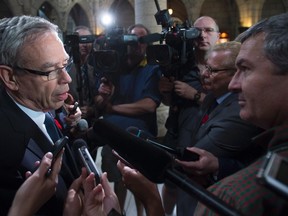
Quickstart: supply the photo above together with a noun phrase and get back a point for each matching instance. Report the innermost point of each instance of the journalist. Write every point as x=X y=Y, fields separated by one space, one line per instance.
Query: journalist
x=129 y=99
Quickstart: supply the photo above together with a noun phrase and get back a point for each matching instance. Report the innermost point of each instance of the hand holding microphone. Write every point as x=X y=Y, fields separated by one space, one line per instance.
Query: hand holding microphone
x=180 y=153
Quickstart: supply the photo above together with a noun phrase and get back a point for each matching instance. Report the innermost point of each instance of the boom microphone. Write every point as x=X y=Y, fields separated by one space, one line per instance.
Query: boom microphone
x=180 y=153
x=156 y=164
x=150 y=160
x=81 y=152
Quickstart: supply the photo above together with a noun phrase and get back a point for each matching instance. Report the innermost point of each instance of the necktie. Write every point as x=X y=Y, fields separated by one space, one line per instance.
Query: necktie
x=212 y=105
x=51 y=127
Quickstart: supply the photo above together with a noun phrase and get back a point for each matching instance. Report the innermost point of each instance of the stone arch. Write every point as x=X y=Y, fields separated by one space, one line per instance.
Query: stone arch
x=179 y=10
x=5 y=10
x=272 y=7
x=228 y=19
x=123 y=12
x=47 y=11
x=77 y=16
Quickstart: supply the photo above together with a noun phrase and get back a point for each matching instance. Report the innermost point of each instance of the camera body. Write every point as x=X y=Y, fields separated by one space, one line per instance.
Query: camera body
x=175 y=48
x=111 y=50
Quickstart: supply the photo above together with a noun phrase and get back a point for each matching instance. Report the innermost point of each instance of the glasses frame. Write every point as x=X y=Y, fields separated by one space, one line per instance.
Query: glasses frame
x=56 y=71
x=211 y=71
x=207 y=30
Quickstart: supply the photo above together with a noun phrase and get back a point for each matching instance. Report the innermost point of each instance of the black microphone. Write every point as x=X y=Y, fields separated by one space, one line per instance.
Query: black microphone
x=180 y=153
x=148 y=159
x=81 y=152
x=82 y=125
x=155 y=163
x=150 y=38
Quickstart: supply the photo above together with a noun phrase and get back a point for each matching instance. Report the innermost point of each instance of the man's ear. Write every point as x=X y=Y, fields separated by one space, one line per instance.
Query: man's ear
x=8 y=77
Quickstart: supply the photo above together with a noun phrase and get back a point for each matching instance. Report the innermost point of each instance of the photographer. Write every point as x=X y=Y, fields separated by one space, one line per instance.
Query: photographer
x=129 y=99
x=184 y=96
x=84 y=85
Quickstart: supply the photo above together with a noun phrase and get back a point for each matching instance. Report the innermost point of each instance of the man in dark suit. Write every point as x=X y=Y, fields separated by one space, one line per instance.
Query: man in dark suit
x=219 y=136
x=34 y=81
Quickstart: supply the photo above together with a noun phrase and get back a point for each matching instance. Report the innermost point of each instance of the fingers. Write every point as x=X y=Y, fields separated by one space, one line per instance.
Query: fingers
x=105 y=184
x=45 y=163
x=56 y=166
x=89 y=183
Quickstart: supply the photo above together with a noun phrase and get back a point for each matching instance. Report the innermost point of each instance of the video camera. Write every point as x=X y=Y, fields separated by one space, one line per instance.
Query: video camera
x=111 y=50
x=178 y=46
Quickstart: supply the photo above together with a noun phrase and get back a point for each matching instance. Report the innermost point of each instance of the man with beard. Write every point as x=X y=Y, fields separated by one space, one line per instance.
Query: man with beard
x=129 y=99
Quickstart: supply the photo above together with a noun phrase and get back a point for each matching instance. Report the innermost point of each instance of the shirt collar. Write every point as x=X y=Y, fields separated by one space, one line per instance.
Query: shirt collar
x=223 y=97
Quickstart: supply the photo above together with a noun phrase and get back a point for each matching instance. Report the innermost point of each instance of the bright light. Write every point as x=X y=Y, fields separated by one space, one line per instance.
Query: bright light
x=170 y=11
x=107 y=20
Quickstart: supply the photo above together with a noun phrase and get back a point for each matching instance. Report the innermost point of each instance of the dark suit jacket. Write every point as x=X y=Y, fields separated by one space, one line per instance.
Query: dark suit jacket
x=226 y=135
x=23 y=143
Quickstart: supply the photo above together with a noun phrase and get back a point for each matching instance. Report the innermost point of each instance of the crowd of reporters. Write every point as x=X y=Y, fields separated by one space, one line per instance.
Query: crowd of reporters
x=215 y=141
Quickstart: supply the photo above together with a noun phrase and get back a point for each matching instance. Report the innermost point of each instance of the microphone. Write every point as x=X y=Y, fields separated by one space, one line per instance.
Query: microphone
x=81 y=152
x=82 y=125
x=148 y=159
x=180 y=153
x=150 y=38
x=155 y=163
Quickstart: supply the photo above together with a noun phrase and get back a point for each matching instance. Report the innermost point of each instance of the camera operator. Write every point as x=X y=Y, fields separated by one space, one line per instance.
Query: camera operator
x=184 y=96
x=129 y=99
x=84 y=86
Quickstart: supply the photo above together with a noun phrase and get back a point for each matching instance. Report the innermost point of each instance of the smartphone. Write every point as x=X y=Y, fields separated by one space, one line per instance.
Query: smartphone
x=57 y=147
x=273 y=174
x=121 y=159
x=89 y=163
x=73 y=110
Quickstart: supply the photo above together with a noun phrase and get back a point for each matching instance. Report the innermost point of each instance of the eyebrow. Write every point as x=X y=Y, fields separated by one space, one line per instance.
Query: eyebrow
x=50 y=64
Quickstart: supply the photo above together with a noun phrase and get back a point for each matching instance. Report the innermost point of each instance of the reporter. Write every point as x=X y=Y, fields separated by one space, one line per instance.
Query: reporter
x=38 y=188
x=145 y=190
x=86 y=198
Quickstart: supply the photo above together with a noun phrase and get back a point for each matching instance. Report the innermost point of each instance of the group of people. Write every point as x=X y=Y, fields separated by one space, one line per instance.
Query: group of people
x=229 y=93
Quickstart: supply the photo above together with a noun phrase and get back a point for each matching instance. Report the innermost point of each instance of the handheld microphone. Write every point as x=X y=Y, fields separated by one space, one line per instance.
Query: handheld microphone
x=148 y=159
x=81 y=150
x=180 y=153
x=82 y=125
x=155 y=163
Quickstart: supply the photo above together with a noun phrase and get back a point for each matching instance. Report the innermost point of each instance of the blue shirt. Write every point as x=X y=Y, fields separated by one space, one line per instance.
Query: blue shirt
x=134 y=86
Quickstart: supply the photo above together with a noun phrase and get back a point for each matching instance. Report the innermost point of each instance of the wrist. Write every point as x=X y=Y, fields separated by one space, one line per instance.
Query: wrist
x=197 y=96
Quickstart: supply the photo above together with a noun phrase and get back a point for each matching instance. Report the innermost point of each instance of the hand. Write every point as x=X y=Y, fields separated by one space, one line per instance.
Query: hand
x=74 y=200
x=145 y=190
x=166 y=85
x=99 y=200
x=38 y=188
x=184 y=90
x=206 y=164
x=72 y=119
x=106 y=88
x=87 y=111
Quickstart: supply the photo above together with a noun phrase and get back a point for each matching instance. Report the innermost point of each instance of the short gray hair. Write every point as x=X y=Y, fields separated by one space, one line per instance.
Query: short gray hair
x=15 y=32
x=276 y=39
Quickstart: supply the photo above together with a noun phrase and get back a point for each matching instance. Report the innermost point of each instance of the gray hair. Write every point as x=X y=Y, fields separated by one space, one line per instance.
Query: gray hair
x=15 y=32
x=276 y=39
x=233 y=47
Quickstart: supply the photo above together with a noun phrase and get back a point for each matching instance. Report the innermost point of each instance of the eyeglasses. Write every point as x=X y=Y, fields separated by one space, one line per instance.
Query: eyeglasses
x=206 y=29
x=213 y=71
x=53 y=74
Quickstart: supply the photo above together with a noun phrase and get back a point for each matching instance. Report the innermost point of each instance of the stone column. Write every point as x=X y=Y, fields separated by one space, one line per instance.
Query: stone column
x=145 y=11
